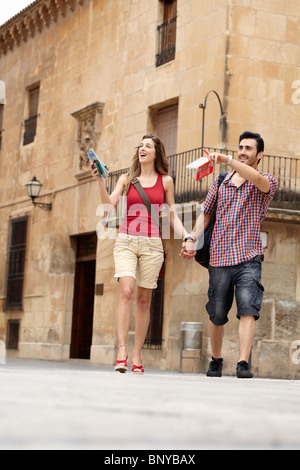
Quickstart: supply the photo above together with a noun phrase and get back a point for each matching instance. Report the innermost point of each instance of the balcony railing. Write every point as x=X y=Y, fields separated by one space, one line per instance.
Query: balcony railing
x=166 y=42
x=285 y=169
x=30 y=130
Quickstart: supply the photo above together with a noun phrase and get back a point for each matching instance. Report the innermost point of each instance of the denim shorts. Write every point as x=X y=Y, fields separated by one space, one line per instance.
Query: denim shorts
x=245 y=281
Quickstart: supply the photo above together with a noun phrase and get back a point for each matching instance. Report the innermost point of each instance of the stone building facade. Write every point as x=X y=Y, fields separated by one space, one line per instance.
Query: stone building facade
x=77 y=74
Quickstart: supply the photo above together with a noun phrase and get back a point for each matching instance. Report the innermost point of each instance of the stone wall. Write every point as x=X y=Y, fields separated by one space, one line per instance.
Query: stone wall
x=262 y=65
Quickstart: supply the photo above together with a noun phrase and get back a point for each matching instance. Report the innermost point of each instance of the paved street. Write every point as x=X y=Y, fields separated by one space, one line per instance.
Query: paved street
x=76 y=405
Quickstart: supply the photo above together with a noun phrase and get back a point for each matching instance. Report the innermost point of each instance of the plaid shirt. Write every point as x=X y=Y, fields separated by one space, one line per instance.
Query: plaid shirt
x=241 y=211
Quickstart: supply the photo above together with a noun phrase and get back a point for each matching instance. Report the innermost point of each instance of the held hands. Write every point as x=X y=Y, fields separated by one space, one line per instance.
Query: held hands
x=188 y=250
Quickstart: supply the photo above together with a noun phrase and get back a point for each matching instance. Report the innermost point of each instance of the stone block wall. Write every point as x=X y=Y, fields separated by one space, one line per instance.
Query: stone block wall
x=262 y=65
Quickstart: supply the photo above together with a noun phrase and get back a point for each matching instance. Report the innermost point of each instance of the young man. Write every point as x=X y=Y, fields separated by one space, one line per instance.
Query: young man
x=236 y=251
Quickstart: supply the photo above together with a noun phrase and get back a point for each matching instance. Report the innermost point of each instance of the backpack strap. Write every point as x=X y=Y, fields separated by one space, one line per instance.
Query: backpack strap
x=221 y=178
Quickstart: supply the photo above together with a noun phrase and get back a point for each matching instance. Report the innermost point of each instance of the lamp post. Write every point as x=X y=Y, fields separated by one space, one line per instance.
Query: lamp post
x=33 y=190
x=223 y=119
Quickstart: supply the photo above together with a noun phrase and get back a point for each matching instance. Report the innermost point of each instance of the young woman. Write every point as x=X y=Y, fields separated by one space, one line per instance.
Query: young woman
x=139 y=253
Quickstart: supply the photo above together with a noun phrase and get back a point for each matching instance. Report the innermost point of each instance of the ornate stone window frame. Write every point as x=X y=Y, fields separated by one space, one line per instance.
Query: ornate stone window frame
x=88 y=133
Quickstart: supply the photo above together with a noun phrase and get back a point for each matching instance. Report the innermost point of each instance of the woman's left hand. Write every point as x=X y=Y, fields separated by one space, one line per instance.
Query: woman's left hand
x=188 y=250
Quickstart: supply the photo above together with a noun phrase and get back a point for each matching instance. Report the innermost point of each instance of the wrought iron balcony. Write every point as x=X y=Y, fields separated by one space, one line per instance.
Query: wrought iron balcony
x=166 y=42
x=30 y=130
x=285 y=169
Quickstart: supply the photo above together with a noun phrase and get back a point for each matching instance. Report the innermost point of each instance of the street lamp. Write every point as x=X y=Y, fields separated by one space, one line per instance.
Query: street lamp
x=223 y=119
x=33 y=190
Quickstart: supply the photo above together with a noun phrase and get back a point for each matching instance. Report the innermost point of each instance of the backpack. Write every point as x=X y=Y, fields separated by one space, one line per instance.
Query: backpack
x=203 y=254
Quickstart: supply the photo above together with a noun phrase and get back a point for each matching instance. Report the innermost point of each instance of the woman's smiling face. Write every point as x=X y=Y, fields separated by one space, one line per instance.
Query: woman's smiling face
x=147 y=151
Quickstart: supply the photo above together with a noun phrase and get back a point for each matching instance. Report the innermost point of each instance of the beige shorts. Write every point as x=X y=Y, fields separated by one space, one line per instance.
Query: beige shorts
x=139 y=257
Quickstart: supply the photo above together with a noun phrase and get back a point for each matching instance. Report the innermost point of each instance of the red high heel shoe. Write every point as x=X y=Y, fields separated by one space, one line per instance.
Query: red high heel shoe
x=137 y=369
x=121 y=366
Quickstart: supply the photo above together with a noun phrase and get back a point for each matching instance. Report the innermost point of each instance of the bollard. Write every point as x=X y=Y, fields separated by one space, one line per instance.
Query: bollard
x=2 y=353
x=191 y=340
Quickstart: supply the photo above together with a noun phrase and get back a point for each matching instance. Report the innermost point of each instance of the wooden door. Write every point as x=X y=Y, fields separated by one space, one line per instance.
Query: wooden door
x=84 y=295
x=83 y=310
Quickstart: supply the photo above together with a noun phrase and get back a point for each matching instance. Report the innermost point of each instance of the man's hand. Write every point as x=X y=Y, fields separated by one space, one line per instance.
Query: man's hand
x=219 y=158
x=188 y=250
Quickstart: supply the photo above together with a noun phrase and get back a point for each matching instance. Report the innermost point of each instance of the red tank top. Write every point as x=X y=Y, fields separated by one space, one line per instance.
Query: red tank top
x=138 y=222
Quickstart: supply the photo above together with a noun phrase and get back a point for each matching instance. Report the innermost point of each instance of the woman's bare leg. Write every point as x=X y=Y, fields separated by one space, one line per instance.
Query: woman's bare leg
x=126 y=297
x=143 y=305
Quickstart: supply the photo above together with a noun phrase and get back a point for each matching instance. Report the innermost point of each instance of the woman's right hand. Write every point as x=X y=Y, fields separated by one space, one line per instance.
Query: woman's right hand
x=94 y=171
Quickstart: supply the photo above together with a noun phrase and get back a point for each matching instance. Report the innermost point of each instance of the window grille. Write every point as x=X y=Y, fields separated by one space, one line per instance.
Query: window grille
x=13 y=331
x=30 y=130
x=16 y=264
x=31 y=122
x=167 y=33
x=166 y=42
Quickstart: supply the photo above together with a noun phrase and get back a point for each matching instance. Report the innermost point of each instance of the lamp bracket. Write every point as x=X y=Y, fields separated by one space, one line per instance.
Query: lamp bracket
x=43 y=206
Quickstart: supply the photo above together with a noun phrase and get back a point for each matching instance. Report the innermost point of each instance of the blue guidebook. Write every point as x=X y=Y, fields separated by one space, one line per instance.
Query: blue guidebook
x=101 y=167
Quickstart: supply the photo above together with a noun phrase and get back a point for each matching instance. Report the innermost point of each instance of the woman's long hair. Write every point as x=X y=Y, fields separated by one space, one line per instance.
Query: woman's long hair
x=161 y=161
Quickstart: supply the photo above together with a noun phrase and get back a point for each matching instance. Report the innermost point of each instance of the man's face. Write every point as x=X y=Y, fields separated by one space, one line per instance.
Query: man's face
x=248 y=152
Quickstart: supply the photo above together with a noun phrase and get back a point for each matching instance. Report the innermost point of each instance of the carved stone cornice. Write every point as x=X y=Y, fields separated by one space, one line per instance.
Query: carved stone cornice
x=32 y=20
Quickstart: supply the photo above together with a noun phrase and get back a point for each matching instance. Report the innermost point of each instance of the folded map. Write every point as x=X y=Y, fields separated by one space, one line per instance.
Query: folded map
x=101 y=167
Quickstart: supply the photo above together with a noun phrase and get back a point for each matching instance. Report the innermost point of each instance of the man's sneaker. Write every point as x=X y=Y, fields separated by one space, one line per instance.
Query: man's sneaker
x=243 y=370
x=215 y=368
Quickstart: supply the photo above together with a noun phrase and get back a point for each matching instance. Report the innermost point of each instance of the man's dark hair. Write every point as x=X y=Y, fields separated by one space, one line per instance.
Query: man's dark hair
x=252 y=135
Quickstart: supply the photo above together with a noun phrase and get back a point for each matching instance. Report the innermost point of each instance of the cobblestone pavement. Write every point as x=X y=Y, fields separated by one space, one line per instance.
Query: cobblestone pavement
x=77 y=405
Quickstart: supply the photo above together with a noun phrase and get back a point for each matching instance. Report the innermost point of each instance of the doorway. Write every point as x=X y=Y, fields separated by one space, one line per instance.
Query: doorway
x=84 y=294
